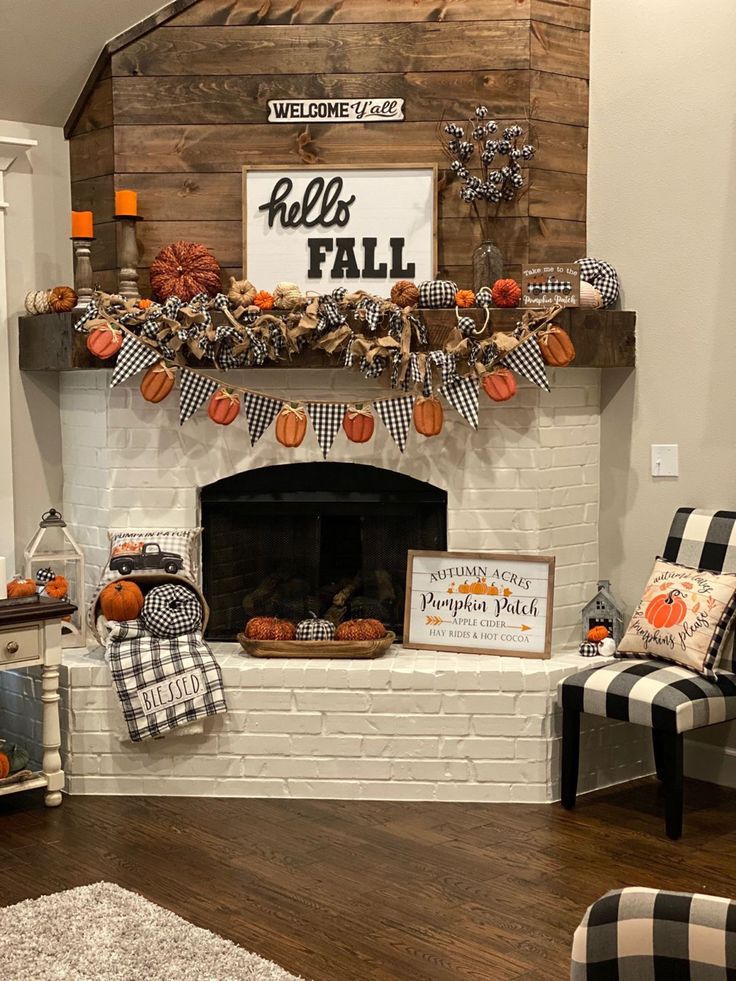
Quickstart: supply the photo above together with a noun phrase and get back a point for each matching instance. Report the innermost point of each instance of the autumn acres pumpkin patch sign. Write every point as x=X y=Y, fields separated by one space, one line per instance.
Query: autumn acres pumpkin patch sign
x=475 y=603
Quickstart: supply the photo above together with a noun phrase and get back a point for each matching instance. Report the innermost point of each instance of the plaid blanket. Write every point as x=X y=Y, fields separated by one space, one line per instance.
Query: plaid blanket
x=162 y=682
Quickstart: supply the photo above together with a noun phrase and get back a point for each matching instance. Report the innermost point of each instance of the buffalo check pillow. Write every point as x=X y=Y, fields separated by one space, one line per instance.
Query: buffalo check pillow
x=683 y=616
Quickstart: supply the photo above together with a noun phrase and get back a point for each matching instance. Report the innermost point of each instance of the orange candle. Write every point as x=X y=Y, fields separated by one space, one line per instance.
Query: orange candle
x=126 y=203
x=82 y=224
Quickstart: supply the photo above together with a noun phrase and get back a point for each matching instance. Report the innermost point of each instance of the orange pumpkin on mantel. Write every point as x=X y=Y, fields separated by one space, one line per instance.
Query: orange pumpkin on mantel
x=269 y=628
x=499 y=385
x=359 y=423
x=360 y=630
x=104 y=342
x=556 y=347
x=428 y=416
x=157 y=382
x=291 y=425
x=223 y=407
x=122 y=600
x=21 y=588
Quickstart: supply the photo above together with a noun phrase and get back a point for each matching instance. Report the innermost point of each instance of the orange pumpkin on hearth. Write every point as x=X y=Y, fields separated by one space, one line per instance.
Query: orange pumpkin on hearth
x=104 y=342
x=499 y=385
x=359 y=423
x=122 y=600
x=360 y=630
x=597 y=634
x=291 y=425
x=157 y=382
x=223 y=407
x=428 y=416
x=556 y=347
x=21 y=588
x=269 y=628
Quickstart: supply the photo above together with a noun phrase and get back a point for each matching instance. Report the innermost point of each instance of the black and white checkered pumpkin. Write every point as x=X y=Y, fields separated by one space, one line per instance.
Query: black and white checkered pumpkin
x=44 y=576
x=315 y=629
x=437 y=293
x=171 y=610
x=602 y=276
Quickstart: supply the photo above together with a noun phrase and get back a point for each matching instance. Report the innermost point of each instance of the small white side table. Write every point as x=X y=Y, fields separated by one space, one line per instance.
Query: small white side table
x=30 y=634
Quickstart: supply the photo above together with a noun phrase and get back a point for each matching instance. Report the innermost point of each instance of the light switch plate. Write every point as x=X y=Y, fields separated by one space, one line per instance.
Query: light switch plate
x=665 y=461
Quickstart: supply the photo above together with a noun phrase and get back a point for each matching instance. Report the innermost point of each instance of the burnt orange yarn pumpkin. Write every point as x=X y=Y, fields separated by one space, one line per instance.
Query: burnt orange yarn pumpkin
x=122 y=600
x=464 y=298
x=157 y=382
x=598 y=633
x=359 y=423
x=269 y=628
x=20 y=588
x=428 y=416
x=104 y=342
x=499 y=385
x=223 y=407
x=58 y=587
x=360 y=630
x=556 y=347
x=404 y=293
x=291 y=425
x=62 y=299
x=506 y=293
x=264 y=300
x=184 y=269
x=4 y=766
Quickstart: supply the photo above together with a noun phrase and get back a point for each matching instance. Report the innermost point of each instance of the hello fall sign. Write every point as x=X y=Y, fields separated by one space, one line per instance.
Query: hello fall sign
x=479 y=604
x=324 y=227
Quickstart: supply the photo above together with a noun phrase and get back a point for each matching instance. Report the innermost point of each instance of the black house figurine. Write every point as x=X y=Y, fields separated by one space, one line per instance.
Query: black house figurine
x=602 y=611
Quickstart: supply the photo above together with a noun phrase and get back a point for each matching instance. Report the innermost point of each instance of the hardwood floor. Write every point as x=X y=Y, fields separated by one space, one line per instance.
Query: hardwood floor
x=351 y=891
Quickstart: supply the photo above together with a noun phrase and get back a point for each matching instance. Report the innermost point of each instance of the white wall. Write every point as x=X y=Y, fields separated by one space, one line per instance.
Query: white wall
x=662 y=209
x=38 y=255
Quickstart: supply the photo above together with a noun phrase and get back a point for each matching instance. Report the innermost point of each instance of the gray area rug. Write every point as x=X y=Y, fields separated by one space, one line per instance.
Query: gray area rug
x=105 y=933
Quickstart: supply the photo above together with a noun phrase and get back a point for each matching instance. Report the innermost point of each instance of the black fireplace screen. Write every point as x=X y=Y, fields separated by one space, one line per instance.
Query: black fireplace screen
x=328 y=538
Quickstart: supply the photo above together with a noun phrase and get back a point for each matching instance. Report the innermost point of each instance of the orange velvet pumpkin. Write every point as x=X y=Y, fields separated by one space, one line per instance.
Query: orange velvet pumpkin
x=499 y=385
x=360 y=630
x=62 y=299
x=269 y=628
x=4 y=766
x=264 y=300
x=104 y=342
x=121 y=600
x=359 y=423
x=556 y=347
x=506 y=293
x=598 y=633
x=157 y=382
x=291 y=425
x=20 y=588
x=464 y=298
x=428 y=416
x=223 y=407
x=58 y=587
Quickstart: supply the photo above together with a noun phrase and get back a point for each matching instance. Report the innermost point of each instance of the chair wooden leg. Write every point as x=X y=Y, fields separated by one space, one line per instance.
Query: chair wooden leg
x=658 y=743
x=673 y=750
x=570 y=757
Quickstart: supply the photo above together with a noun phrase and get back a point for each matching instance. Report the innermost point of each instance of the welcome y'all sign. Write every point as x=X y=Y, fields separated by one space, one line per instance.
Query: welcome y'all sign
x=479 y=604
x=335 y=110
x=323 y=227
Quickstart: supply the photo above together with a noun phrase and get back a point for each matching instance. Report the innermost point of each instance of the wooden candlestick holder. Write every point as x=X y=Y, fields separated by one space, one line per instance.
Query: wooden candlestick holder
x=82 y=271
x=128 y=279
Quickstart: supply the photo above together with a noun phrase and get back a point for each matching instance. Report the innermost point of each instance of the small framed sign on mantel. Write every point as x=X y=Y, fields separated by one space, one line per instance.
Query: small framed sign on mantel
x=474 y=603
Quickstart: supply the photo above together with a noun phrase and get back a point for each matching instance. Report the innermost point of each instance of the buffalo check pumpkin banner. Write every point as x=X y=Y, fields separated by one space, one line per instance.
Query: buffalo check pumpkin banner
x=260 y=411
x=463 y=396
x=326 y=419
x=133 y=357
x=396 y=415
x=683 y=617
x=194 y=390
x=526 y=360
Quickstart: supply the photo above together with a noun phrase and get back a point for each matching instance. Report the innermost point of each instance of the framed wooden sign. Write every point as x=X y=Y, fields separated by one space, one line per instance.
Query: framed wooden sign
x=474 y=603
x=323 y=227
x=550 y=284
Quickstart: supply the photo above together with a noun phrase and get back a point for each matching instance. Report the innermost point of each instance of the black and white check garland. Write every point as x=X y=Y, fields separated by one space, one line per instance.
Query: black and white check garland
x=326 y=418
x=526 y=360
x=396 y=415
x=260 y=411
x=463 y=396
x=194 y=390
x=133 y=357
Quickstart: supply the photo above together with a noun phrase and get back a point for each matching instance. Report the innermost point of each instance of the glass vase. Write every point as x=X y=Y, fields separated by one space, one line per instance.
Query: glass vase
x=487 y=265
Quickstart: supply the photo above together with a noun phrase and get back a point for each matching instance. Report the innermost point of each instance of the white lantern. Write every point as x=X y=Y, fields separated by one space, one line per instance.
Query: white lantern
x=52 y=550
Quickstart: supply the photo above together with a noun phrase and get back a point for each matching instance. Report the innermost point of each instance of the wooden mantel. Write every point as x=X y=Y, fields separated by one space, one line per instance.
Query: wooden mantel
x=602 y=339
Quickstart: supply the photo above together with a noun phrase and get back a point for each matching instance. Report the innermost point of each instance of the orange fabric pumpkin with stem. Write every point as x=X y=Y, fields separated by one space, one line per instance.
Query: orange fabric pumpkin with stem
x=428 y=416
x=121 y=600
x=291 y=425
x=223 y=407
x=464 y=298
x=21 y=588
x=598 y=633
x=104 y=342
x=499 y=385
x=556 y=347
x=506 y=293
x=157 y=382
x=359 y=423
x=58 y=587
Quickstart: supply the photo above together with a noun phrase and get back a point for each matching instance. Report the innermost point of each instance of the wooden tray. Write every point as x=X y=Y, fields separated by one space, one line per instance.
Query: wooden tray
x=317 y=648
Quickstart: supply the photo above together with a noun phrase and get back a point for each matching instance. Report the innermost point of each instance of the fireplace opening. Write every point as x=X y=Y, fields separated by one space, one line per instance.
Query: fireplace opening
x=327 y=538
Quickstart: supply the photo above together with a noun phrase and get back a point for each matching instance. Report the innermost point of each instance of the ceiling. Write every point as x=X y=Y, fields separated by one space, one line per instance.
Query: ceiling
x=48 y=48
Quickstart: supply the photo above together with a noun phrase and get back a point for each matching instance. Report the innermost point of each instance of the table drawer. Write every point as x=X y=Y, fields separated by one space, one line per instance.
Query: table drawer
x=20 y=644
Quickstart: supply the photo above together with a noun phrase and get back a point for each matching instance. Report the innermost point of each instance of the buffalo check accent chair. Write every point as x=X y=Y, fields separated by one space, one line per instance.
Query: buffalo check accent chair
x=671 y=700
x=639 y=934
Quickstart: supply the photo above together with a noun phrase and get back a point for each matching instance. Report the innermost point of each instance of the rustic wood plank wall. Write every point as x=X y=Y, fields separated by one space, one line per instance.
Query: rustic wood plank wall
x=179 y=110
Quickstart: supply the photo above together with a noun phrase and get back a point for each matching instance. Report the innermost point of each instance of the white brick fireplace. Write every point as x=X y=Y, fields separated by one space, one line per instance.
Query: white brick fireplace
x=411 y=725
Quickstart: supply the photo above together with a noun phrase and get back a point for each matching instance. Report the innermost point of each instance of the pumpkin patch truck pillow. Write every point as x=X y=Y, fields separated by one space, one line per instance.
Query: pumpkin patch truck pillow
x=683 y=616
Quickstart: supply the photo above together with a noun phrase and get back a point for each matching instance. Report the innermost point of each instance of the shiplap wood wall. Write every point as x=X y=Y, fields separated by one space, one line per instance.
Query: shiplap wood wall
x=178 y=110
